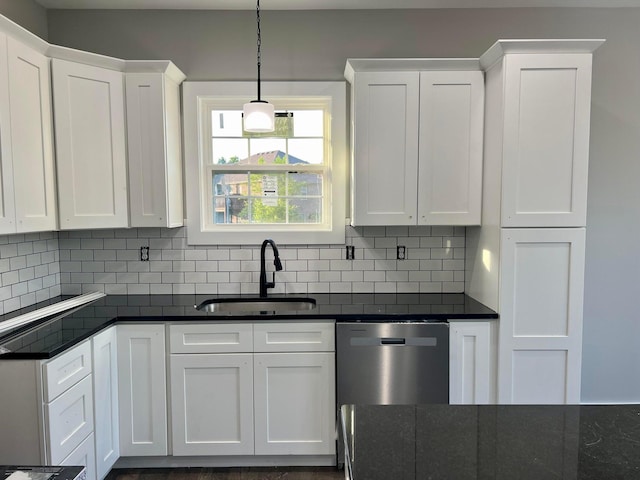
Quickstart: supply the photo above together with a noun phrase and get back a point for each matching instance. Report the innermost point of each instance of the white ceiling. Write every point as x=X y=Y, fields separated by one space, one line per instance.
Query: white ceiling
x=324 y=4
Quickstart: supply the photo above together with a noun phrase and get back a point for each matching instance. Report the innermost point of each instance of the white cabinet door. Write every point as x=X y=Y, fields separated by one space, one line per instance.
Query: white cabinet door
x=7 y=205
x=31 y=139
x=69 y=420
x=65 y=370
x=294 y=403
x=385 y=148
x=83 y=455
x=547 y=100
x=211 y=338
x=450 y=162
x=155 y=150
x=142 y=390
x=471 y=364
x=294 y=337
x=27 y=188
x=105 y=400
x=212 y=404
x=90 y=146
x=541 y=296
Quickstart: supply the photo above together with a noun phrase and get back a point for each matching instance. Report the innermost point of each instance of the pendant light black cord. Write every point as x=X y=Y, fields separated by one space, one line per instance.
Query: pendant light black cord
x=259 y=45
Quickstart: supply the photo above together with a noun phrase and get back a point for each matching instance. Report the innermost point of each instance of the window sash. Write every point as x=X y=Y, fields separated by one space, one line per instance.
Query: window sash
x=199 y=98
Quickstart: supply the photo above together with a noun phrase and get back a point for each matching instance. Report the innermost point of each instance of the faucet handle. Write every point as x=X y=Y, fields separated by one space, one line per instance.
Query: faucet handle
x=272 y=283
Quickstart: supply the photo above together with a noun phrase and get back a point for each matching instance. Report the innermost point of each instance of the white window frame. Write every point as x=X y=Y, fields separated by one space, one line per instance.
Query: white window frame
x=197 y=100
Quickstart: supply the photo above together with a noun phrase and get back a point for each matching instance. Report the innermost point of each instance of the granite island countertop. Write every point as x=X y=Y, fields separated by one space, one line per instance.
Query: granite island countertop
x=492 y=442
x=49 y=337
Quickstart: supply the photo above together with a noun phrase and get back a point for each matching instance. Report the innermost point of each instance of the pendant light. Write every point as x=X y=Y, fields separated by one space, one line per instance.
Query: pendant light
x=258 y=114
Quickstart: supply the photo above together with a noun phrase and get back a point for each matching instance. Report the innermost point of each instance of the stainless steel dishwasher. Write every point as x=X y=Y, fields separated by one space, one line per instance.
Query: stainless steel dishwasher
x=392 y=363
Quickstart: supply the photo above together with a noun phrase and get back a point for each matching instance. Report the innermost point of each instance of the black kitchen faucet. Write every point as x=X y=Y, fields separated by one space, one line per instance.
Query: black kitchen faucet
x=264 y=285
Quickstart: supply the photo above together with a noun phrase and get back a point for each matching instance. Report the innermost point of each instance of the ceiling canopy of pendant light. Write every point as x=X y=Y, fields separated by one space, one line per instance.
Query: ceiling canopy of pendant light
x=258 y=114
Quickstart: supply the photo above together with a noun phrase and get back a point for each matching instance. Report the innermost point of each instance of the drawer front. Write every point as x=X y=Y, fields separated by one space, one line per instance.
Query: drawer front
x=211 y=338
x=83 y=455
x=294 y=337
x=66 y=370
x=69 y=420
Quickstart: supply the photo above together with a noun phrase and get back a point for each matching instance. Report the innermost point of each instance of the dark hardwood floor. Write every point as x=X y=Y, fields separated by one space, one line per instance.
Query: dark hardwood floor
x=241 y=473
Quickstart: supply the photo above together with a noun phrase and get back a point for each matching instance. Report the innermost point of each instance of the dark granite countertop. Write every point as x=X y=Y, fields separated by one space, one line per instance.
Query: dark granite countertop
x=488 y=442
x=51 y=336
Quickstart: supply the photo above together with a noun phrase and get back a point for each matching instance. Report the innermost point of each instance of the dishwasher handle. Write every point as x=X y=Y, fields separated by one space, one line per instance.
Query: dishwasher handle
x=399 y=341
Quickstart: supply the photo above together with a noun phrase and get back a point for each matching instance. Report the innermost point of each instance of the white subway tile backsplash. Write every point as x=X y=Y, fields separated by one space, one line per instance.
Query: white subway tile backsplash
x=408 y=287
x=420 y=276
x=196 y=255
x=374 y=276
x=307 y=277
x=420 y=231
x=352 y=276
x=37 y=266
x=218 y=254
x=194 y=277
x=329 y=276
x=241 y=254
x=5 y=265
x=218 y=277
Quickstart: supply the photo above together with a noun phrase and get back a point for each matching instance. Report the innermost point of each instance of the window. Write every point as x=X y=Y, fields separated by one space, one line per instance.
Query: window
x=288 y=185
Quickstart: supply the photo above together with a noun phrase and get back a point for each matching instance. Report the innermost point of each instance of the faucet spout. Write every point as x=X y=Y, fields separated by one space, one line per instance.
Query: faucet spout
x=264 y=285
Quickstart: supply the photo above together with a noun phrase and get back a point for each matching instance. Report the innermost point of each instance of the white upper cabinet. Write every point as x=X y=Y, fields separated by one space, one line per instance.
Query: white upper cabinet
x=90 y=146
x=385 y=148
x=27 y=189
x=545 y=91
x=450 y=158
x=155 y=148
x=416 y=141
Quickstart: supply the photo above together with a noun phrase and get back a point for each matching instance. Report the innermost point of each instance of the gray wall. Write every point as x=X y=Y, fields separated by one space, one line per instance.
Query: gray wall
x=26 y=13
x=219 y=45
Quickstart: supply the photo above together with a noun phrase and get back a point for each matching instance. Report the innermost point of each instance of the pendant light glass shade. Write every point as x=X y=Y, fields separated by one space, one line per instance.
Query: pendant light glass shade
x=258 y=116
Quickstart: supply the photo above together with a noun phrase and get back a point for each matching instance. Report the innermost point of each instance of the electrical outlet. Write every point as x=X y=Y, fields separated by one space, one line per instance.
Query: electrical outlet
x=402 y=252
x=144 y=254
x=351 y=254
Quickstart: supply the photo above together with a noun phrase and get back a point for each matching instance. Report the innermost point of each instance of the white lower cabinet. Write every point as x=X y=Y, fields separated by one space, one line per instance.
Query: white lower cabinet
x=105 y=395
x=541 y=298
x=142 y=395
x=235 y=395
x=294 y=397
x=84 y=454
x=69 y=420
x=48 y=405
x=471 y=362
x=212 y=404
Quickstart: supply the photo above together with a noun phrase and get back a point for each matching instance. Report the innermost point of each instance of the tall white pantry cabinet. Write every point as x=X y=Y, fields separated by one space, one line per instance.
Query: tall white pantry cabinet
x=527 y=259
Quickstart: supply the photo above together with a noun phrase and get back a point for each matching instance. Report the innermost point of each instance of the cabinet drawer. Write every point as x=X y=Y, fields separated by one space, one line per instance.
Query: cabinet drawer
x=211 y=338
x=65 y=370
x=294 y=337
x=83 y=455
x=69 y=419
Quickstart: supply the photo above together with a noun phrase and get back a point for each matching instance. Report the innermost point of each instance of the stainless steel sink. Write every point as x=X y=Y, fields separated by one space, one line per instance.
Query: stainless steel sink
x=256 y=305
